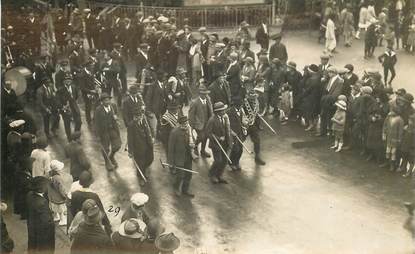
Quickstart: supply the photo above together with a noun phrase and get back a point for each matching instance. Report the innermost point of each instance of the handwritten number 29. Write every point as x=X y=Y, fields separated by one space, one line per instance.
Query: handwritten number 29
x=115 y=210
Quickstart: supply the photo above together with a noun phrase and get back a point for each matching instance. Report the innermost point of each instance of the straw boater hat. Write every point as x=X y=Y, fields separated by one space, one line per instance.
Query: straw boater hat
x=219 y=106
x=341 y=104
x=139 y=199
x=132 y=228
x=202 y=29
x=16 y=123
x=167 y=242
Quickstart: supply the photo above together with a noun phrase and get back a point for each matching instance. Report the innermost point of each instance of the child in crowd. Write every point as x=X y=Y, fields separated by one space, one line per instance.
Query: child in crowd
x=41 y=158
x=339 y=120
x=407 y=148
x=285 y=102
x=392 y=135
x=58 y=191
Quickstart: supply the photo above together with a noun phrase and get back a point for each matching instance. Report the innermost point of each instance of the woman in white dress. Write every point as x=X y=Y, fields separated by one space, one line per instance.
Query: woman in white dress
x=363 y=19
x=331 y=42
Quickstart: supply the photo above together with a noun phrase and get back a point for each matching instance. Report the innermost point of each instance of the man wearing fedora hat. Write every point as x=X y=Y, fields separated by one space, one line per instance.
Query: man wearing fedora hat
x=220 y=90
x=278 y=49
x=90 y=236
x=180 y=155
x=238 y=124
x=89 y=88
x=111 y=70
x=294 y=77
x=132 y=237
x=167 y=243
x=40 y=224
x=219 y=131
x=46 y=99
x=68 y=106
x=262 y=35
x=155 y=102
x=131 y=102
x=140 y=142
x=200 y=111
x=107 y=130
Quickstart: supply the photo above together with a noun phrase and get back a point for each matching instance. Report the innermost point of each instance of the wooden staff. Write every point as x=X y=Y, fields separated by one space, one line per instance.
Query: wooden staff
x=139 y=170
x=267 y=124
x=163 y=164
x=243 y=145
x=221 y=148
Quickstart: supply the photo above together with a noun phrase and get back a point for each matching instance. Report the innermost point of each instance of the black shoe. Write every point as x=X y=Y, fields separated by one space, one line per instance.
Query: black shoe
x=214 y=180
x=205 y=154
x=196 y=151
x=259 y=161
x=189 y=195
x=223 y=181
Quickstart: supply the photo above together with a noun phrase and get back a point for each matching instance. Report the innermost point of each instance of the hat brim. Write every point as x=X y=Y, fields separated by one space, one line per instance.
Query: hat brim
x=221 y=108
x=121 y=231
x=204 y=91
x=174 y=246
x=340 y=106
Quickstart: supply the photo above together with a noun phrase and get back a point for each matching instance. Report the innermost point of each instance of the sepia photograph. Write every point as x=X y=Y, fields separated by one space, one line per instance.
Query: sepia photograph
x=207 y=126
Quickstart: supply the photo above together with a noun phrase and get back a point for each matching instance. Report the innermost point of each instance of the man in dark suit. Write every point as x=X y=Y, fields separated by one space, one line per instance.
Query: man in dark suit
x=68 y=106
x=262 y=35
x=40 y=224
x=331 y=91
x=220 y=90
x=140 y=142
x=107 y=130
x=87 y=84
x=131 y=102
x=91 y=28
x=180 y=155
x=233 y=76
x=32 y=33
x=46 y=99
x=199 y=113
x=155 y=102
x=63 y=71
x=141 y=60
x=278 y=50
x=118 y=55
x=111 y=70
x=236 y=119
x=246 y=51
x=219 y=133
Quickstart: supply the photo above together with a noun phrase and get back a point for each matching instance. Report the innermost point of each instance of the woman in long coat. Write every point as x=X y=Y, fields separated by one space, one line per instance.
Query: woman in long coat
x=310 y=104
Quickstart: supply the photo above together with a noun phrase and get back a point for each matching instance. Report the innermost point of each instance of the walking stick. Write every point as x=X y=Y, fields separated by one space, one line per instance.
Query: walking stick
x=111 y=166
x=139 y=170
x=164 y=165
x=221 y=148
x=243 y=145
x=267 y=124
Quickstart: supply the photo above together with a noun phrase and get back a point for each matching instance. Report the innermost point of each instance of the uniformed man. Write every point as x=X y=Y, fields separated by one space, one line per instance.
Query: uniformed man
x=107 y=130
x=140 y=142
x=180 y=155
x=168 y=122
x=111 y=71
x=89 y=88
x=63 y=72
x=130 y=103
x=251 y=109
x=238 y=123
x=219 y=133
x=68 y=106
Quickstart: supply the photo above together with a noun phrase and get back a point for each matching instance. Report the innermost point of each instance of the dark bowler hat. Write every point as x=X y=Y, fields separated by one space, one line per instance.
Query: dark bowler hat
x=203 y=89
x=105 y=96
x=313 y=68
x=133 y=89
x=292 y=64
x=38 y=183
x=219 y=106
x=167 y=242
x=183 y=119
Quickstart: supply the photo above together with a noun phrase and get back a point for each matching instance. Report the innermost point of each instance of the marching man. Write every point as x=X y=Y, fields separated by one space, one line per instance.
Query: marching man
x=219 y=132
x=180 y=155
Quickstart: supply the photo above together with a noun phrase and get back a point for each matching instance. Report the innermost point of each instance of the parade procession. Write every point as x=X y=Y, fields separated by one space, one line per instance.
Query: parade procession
x=205 y=126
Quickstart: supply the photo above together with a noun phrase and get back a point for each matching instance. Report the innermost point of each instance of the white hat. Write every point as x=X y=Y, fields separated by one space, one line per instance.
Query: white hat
x=139 y=199
x=56 y=165
x=16 y=123
x=179 y=33
x=220 y=45
x=172 y=79
x=341 y=104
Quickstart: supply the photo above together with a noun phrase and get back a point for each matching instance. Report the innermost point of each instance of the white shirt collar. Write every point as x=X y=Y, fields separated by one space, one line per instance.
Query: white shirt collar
x=204 y=101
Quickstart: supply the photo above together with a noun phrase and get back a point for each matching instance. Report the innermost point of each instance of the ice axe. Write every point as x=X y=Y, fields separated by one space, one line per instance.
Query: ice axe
x=164 y=165
x=139 y=170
